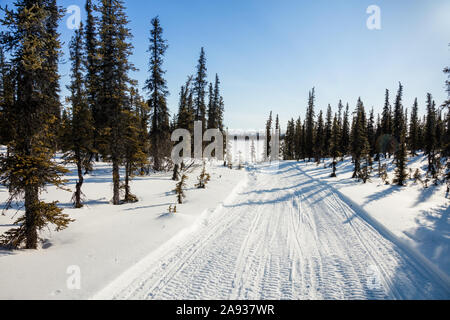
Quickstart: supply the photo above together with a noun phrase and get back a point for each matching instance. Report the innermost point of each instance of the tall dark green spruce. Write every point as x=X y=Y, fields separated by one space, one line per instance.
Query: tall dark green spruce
x=414 y=128
x=219 y=105
x=401 y=154
x=29 y=166
x=200 y=84
x=81 y=135
x=335 y=144
x=386 y=144
x=135 y=146
x=309 y=126
x=398 y=114
x=386 y=120
x=215 y=107
x=319 y=142
x=211 y=108
x=7 y=96
x=92 y=71
x=298 y=139
x=328 y=129
x=289 y=141
x=115 y=49
x=345 y=135
x=430 y=135
x=142 y=112
x=360 y=144
x=371 y=133
x=186 y=112
x=50 y=64
x=267 y=147
x=447 y=141
x=157 y=89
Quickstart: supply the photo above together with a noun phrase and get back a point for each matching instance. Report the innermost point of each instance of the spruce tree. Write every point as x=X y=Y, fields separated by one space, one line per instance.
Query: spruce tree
x=446 y=152
x=211 y=110
x=219 y=105
x=398 y=114
x=267 y=146
x=29 y=166
x=142 y=112
x=135 y=156
x=7 y=96
x=335 y=144
x=430 y=134
x=319 y=142
x=200 y=84
x=50 y=64
x=414 y=129
x=328 y=129
x=359 y=142
x=309 y=126
x=378 y=134
x=186 y=115
x=157 y=89
x=386 y=120
x=92 y=72
x=289 y=141
x=298 y=151
x=81 y=125
x=401 y=154
x=371 y=133
x=115 y=49
x=215 y=106
x=345 y=136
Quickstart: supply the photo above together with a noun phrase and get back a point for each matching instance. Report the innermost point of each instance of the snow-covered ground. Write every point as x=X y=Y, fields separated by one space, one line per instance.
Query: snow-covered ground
x=280 y=231
x=419 y=217
x=286 y=236
x=106 y=240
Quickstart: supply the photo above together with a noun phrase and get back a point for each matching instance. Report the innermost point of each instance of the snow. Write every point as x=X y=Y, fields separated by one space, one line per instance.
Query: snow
x=273 y=231
x=285 y=236
x=419 y=217
x=106 y=240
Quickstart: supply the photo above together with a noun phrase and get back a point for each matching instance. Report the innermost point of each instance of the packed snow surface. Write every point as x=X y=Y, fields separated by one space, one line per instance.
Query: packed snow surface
x=273 y=231
x=285 y=236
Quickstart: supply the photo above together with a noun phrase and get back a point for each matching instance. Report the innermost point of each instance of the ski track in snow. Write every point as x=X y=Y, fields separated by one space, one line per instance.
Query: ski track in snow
x=285 y=236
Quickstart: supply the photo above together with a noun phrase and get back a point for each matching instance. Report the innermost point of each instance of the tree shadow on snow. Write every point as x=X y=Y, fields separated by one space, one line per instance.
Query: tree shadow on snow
x=150 y=206
x=433 y=235
x=381 y=194
x=426 y=194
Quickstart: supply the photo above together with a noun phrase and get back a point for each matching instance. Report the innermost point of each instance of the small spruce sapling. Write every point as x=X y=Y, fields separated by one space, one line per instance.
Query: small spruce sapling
x=203 y=178
x=384 y=175
x=417 y=176
x=179 y=189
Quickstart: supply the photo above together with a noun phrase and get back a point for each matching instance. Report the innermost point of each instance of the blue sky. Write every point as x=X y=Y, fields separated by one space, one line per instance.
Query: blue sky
x=269 y=54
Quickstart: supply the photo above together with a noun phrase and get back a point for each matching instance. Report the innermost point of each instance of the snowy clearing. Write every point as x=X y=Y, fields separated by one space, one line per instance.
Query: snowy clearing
x=106 y=240
x=282 y=231
x=286 y=236
x=419 y=217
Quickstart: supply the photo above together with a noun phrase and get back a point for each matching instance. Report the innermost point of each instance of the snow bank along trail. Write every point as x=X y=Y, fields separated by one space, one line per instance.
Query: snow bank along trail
x=284 y=236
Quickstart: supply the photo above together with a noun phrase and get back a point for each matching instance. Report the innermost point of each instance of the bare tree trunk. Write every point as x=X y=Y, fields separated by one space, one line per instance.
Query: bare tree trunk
x=77 y=199
x=116 y=182
x=31 y=207
x=156 y=160
x=127 y=182
x=175 y=173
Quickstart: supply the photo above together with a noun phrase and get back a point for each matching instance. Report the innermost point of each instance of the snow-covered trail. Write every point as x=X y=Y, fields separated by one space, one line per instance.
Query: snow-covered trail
x=285 y=236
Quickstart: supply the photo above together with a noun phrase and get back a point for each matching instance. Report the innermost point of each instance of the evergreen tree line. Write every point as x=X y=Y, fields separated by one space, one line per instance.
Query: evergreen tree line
x=106 y=117
x=368 y=137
